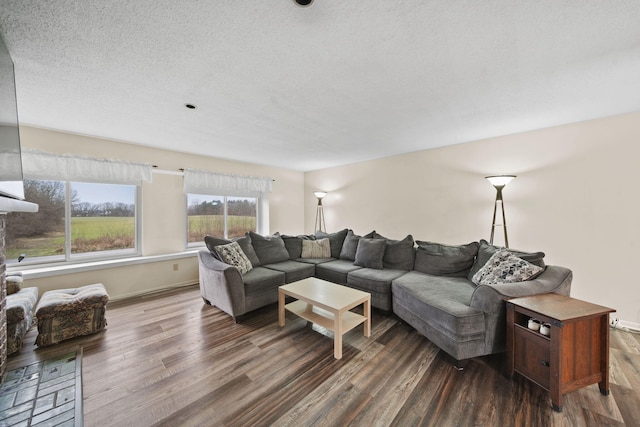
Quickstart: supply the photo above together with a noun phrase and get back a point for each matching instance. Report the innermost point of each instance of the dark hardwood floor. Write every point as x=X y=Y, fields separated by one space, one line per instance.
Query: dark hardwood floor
x=168 y=359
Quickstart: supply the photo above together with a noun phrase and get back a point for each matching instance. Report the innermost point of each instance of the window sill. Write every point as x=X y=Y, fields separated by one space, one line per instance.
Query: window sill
x=35 y=272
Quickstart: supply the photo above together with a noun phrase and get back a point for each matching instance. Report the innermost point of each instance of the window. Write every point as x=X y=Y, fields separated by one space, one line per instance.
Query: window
x=74 y=220
x=220 y=216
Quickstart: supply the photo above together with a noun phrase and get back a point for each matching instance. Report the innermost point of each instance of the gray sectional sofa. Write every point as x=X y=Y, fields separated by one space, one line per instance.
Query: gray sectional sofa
x=453 y=295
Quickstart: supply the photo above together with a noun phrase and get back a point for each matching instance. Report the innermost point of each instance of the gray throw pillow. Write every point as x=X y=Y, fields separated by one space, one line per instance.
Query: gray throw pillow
x=335 y=240
x=350 y=246
x=487 y=250
x=270 y=249
x=247 y=247
x=444 y=260
x=399 y=254
x=370 y=253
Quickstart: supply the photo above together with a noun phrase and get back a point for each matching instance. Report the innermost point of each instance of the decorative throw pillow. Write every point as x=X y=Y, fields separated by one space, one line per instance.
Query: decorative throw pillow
x=370 y=253
x=244 y=242
x=233 y=255
x=293 y=244
x=444 y=260
x=505 y=267
x=270 y=249
x=487 y=250
x=316 y=249
x=335 y=239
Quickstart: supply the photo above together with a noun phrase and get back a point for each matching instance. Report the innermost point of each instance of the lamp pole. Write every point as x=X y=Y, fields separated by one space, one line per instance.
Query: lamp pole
x=320 y=224
x=499 y=182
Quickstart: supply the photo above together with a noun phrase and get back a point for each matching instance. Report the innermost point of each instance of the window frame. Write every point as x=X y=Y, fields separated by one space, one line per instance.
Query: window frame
x=68 y=258
x=200 y=243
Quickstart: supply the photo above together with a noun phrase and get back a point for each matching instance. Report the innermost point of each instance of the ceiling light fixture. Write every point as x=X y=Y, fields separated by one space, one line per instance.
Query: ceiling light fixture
x=303 y=3
x=190 y=106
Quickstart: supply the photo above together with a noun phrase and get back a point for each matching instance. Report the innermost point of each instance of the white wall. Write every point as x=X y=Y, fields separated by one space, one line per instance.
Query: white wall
x=576 y=198
x=163 y=210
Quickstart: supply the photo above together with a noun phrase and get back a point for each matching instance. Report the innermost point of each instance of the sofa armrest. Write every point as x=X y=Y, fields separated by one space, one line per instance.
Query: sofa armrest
x=491 y=299
x=553 y=279
x=221 y=284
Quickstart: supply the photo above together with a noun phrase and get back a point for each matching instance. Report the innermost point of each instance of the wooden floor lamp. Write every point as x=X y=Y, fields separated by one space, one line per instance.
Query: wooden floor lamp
x=499 y=182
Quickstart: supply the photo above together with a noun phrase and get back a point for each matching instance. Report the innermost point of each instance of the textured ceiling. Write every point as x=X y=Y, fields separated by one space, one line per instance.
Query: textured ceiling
x=306 y=88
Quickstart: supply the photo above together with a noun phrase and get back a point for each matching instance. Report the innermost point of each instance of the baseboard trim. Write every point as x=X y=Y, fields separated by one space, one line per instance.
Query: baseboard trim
x=150 y=292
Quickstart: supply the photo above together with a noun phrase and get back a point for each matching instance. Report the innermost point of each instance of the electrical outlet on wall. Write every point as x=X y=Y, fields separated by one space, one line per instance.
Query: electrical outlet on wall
x=613 y=321
x=175 y=267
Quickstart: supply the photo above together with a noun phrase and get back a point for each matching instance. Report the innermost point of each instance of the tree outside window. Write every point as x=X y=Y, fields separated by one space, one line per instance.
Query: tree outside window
x=219 y=216
x=101 y=218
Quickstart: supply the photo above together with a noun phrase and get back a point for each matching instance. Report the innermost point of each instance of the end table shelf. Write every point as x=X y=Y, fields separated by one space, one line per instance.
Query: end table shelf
x=574 y=355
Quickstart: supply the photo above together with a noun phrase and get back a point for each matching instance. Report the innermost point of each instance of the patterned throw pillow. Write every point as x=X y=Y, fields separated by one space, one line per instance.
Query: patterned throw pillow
x=232 y=254
x=316 y=248
x=504 y=267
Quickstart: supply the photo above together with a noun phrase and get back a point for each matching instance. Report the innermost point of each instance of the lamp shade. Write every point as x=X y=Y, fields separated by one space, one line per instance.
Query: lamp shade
x=500 y=180
x=320 y=194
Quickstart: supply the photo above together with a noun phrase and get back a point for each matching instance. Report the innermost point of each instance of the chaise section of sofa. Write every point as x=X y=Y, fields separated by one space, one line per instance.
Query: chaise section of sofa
x=441 y=301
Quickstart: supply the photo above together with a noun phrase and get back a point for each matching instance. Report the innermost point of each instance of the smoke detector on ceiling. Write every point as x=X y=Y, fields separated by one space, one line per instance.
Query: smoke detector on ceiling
x=303 y=3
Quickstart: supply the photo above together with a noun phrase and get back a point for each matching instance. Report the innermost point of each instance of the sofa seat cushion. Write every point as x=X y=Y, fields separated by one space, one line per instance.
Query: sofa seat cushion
x=262 y=279
x=336 y=271
x=293 y=270
x=445 y=301
x=374 y=280
x=314 y=261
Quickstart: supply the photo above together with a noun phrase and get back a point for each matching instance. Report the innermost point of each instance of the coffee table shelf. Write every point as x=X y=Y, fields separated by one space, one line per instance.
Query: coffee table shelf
x=324 y=318
x=328 y=305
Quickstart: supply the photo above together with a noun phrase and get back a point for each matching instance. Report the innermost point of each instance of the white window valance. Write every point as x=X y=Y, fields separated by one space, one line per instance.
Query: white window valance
x=66 y=167
x=205 y=182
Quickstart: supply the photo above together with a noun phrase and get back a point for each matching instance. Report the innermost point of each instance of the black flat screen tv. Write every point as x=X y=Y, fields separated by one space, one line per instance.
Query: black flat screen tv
x=11 y=184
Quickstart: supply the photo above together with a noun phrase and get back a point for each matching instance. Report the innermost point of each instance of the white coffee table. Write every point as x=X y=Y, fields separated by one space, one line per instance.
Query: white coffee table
x=326 y=304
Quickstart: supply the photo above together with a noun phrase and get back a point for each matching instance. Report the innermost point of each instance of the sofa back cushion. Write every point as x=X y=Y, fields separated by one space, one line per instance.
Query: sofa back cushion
x=370 y=253
x=445 y=260
x=486 y=251
x=270 y=249
x=399 y=254
x=349 y=246
x=244 y=242
x=335 y=240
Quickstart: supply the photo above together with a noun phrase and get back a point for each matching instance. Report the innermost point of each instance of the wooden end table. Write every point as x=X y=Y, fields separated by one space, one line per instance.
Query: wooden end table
x=326 y=304
x=575 y=353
